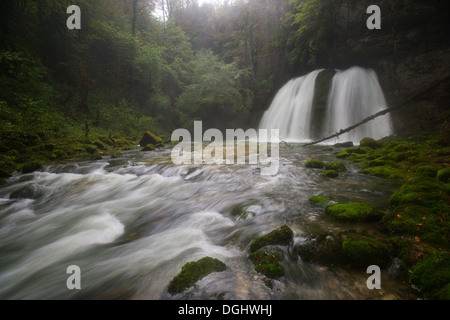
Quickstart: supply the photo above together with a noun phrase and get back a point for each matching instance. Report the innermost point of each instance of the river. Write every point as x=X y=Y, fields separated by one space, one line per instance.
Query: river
x=131 y=223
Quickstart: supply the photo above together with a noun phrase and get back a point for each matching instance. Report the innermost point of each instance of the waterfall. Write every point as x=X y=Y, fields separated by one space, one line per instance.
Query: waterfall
x=290 y=111
x=354 y=95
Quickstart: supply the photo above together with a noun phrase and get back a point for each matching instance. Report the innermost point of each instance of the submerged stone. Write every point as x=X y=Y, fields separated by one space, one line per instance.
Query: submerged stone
x=194 y=271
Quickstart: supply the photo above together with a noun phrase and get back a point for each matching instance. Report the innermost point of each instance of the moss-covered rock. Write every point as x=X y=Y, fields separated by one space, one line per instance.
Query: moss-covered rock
x=315 y=163
x=423 y=191
x=149 y=138
x=347 y=144
x=416 y=220
x=329 y=174
x=371 y=143
x=443 y=175
x=432 y=276
x=383 y=172
x=282 y=236
x=267 y=262
x=427 y=171
x=350 y=211
x=319 y=200
x=194 y=271
x=336 y=166
x=325 y=249
x=351 y=249
x=363 y=251
x=148 y=147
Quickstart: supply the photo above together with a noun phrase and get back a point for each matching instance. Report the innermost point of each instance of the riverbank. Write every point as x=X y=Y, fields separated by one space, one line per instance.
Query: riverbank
x=414 y=228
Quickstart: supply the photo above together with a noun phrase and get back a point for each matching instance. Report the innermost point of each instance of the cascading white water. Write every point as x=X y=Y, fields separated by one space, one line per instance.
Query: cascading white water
x=290 y=111
x=354 y=95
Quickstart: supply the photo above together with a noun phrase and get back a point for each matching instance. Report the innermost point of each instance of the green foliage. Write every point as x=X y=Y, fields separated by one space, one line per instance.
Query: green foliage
x=191 y=272
x=216 y=90
x=313 y=24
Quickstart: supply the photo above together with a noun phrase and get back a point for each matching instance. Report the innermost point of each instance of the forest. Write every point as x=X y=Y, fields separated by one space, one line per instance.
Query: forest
x=106 y=98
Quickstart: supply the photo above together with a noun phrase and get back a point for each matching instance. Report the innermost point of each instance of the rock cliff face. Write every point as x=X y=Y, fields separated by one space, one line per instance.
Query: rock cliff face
x=411 y=55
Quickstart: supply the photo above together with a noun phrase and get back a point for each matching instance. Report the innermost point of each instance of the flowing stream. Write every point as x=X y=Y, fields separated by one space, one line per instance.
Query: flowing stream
x=131 y=223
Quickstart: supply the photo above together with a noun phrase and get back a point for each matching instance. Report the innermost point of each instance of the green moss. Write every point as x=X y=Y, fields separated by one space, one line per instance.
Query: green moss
x=347 y=144
x=369 y=142
x=314 y=163
x=423 y=191
x=148 y=147
x=194 y=271
x=432 y=276
x=319 y=200
x=362 y=251
x=383 y=172
x=427 y=171
x=416 y=220
x=343 y=154
x=444 y=175
x=282 y=236
x=325 y=249
x=329 y=174
x=336 y=166
x=150 y=138
x=268 y=263
x=350 y=211
x=350 y=249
